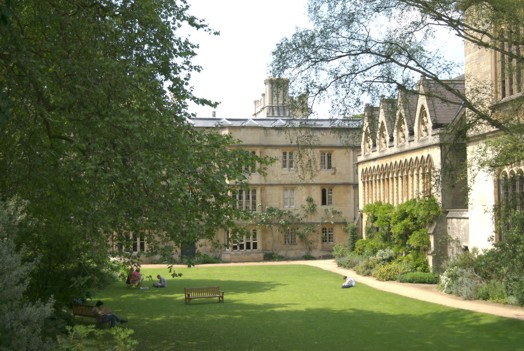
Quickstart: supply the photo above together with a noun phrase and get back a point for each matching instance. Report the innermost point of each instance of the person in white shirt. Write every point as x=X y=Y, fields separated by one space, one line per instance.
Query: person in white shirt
x=348 y=282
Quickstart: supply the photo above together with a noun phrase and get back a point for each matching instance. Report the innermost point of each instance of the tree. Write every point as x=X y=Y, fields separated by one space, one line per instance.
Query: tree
x=94 y=134
x=360 y=50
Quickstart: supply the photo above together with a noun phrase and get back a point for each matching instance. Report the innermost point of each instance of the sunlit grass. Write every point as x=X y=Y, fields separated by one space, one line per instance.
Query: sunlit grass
x=298 y=307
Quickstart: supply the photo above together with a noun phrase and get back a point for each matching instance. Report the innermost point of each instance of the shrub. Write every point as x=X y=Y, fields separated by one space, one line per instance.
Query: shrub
x=391 y=270
x=385 y=255
x=418 y=277
x=463 y=282
x=369 y=247
x=273 y=256
x=83 y=337
x=309 y=257
x=205 y=258
x=352 y=236
x=340 y=251
x=349 y=261
x=492 y=290
x=366 y=266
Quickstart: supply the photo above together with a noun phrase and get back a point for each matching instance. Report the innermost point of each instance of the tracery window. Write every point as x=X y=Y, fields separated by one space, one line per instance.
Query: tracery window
x=510 y=189
x=510 y=62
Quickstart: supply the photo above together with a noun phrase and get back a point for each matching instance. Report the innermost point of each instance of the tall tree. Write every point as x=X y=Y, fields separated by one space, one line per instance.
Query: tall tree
x=94 y=133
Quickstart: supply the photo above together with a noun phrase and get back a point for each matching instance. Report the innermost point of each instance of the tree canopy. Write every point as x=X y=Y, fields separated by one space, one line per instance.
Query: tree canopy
x=95 y=138
x=359 y=50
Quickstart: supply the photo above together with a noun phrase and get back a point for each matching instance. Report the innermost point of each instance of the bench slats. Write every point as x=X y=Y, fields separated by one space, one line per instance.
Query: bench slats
x=86 y=311
x=205 y=292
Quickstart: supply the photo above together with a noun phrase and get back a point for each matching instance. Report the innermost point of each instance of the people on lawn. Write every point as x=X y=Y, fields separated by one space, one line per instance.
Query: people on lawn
x=136 y=278
x=348 y=282
x=106 y=315
x=161 y=282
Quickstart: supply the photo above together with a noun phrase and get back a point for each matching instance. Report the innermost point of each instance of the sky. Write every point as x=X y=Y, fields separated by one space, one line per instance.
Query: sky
x=235 y=63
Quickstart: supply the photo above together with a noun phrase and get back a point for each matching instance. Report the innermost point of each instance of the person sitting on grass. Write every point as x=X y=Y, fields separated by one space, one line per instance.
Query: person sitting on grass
x=136 y=278
x=348 y=282
x=106 y=315
x=161 y=282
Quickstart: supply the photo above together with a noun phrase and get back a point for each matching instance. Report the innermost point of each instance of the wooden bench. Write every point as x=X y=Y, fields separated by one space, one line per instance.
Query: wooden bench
x=201 y=293
x=87 y=311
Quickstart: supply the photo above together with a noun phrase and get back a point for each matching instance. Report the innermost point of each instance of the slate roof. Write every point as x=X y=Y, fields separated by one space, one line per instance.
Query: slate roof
x=443 y=105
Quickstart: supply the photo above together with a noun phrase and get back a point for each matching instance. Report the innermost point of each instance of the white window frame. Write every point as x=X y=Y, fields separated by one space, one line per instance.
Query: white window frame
x=288 y=198
x=326 y=160
x=288 y=160
x=246 y=243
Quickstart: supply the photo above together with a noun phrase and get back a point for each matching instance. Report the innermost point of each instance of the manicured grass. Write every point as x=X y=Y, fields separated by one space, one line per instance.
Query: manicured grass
x=295 y=307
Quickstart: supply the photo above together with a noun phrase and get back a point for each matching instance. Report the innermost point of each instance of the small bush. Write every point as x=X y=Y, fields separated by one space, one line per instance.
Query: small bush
x=492 y=291
x=418 y=278
x=387 y=271
x=461 y=282
x=340 y=251
x=391 y=270
x=385 y=255
x=369 y=247
x=272 y=256
x=205 y=258
x=366 y=266
x=349 y=261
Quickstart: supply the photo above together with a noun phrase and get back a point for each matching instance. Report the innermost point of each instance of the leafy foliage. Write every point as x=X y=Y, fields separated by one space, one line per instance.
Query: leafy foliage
x=397 y=240
x=418 y=278
x=87 y=337
x=22 y=326
x=93 y=111
x=496 y=274
x=357 y=51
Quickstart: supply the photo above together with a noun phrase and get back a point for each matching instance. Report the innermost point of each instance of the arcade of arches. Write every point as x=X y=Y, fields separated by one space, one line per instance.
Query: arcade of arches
x=398 y=182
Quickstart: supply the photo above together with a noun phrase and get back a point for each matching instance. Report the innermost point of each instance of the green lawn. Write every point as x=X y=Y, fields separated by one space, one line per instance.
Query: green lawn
x=295 y=307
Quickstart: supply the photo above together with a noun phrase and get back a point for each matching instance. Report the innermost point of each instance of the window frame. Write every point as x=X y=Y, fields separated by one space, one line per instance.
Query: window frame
x=326 y=197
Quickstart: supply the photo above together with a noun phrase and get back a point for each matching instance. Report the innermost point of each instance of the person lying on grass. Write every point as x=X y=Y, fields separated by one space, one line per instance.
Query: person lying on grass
x=106 y=315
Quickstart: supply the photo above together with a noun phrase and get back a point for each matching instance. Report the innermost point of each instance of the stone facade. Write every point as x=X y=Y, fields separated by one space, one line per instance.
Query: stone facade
x=409 y=151
x=496 y=79
x=322 y=171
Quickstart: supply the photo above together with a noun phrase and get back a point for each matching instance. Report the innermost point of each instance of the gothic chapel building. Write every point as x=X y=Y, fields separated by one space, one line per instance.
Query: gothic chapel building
x=409 y=150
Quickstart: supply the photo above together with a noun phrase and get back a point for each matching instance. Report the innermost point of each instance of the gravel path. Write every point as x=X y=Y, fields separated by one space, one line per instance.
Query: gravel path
x=424 y=292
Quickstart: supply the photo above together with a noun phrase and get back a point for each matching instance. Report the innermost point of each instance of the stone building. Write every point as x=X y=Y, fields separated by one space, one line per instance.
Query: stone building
x=410 y=150
x=321 y=172
x=496 y=77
